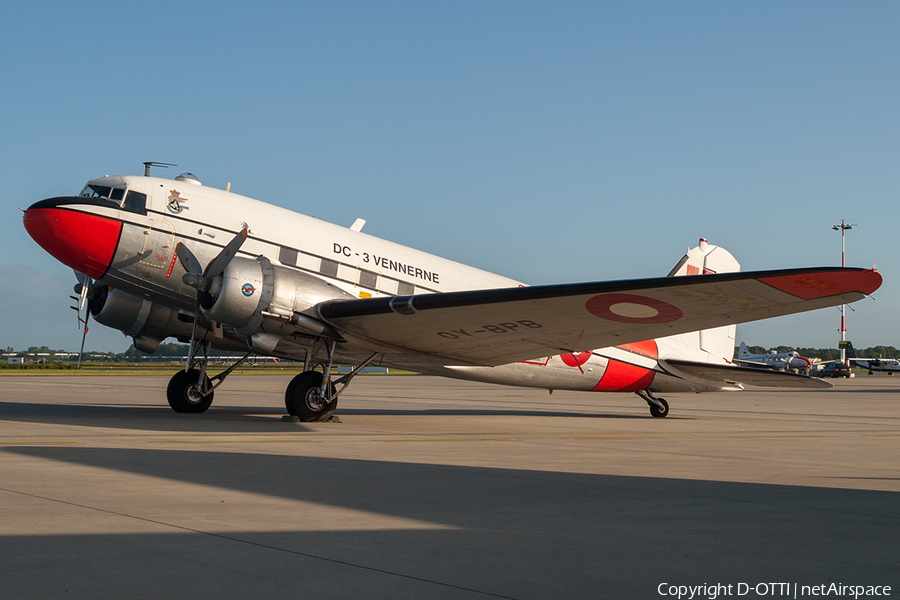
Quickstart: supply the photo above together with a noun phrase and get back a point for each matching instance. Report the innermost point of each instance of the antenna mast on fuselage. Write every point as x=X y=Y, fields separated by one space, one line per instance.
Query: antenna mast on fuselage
x=149 y=164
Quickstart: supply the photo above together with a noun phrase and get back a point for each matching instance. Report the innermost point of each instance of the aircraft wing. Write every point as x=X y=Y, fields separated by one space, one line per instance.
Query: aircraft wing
x=730 y=375
x=493 y=327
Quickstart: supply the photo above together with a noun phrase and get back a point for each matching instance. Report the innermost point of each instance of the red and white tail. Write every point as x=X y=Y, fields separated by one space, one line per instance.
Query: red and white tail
x=704 y=259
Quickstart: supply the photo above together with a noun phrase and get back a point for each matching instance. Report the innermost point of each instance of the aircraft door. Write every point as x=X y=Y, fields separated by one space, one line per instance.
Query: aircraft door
x=159 y=245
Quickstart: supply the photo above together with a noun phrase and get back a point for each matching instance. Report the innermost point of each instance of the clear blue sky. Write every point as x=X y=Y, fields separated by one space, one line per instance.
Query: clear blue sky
x=545 y=141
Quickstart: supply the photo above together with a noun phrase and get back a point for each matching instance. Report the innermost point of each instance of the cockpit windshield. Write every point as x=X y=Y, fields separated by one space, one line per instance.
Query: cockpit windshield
x=127 y=200
x=102 y=191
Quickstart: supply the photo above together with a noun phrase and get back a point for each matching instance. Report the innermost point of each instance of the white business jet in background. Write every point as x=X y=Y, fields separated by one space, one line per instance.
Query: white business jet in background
x=783 y=361
x=162 y=258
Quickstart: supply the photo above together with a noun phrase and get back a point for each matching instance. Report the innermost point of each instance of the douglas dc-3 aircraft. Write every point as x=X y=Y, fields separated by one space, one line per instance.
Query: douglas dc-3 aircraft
x=161 y=257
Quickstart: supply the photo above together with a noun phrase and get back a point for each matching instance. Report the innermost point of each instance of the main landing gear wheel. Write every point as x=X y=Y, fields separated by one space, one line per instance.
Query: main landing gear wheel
x=303 y=397
x=656 y=411
x=184 y=394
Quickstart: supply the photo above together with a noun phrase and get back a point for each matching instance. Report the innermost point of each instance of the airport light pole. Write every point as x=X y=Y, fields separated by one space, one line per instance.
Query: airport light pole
x=843 y=227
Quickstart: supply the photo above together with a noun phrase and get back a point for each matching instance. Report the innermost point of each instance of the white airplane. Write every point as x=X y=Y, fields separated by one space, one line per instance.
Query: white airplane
x=782 y=361
x=159 y=258
x=887 y=365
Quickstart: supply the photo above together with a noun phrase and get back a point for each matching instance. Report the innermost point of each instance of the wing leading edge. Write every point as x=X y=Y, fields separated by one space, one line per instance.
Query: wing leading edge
x=493 y=327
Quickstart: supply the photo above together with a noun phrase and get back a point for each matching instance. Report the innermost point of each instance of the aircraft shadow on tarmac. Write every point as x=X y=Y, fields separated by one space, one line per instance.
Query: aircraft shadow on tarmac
x=490 y=412
x=162 y=418
x=237 y=419
x=515 y=533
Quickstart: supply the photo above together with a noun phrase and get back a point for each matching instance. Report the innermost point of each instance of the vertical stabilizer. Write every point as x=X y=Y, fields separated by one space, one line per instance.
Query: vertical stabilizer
x=704 y=259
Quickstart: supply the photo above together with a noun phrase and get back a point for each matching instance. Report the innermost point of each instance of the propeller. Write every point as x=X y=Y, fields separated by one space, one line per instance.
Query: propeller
x=84 y=290
x=200 y=279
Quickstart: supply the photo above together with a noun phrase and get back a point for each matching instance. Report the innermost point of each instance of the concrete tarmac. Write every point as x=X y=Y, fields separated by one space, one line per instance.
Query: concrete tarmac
x=434 y=488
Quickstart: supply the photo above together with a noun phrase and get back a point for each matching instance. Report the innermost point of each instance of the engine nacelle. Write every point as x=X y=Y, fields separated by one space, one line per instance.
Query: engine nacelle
x=146 y=322
x=247 y=288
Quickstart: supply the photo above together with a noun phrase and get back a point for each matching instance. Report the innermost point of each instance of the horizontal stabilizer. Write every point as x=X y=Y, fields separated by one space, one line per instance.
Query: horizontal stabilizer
x=731 y=375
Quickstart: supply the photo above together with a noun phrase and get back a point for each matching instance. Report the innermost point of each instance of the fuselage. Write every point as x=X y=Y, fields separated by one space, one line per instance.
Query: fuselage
x=122 y=231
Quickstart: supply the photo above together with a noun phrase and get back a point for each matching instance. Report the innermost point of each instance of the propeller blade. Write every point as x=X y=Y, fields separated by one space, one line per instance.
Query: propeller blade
x=83 y=292
x=134 y=259
x=87 y=317
x=188 y=260
x=201 y=279
x=218 y=264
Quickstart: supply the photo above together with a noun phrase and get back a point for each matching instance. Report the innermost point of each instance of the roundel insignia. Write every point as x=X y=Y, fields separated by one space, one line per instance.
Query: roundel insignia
x=631 y=308
x=575 y=360
x=247 y=290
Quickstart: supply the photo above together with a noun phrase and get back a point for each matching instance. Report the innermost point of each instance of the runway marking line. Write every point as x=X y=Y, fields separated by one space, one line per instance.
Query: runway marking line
x=236 y=442
x=40 y=443
x=631 y=437
x=452 y=440
x=786 y=437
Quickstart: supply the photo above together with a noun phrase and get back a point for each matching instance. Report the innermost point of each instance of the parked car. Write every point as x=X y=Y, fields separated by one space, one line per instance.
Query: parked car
x=835 y=370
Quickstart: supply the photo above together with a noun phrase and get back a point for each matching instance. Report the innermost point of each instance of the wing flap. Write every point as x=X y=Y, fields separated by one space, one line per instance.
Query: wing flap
x=493 y=327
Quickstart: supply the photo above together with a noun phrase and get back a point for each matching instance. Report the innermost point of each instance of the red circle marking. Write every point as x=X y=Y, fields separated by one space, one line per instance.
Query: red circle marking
x=600 y=306
x=575 y=360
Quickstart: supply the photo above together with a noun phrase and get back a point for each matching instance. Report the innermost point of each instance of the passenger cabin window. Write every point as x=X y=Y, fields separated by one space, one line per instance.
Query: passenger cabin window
x=288 y=256
x=328 y=268
x=367 y=279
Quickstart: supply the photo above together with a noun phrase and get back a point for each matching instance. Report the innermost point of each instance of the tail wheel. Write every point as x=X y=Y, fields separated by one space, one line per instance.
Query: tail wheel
x=303 y=397
x=183 y=392
x=657 y=411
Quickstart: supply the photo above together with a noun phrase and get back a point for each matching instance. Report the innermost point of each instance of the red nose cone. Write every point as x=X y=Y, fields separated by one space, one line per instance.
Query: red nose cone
x=82 y=241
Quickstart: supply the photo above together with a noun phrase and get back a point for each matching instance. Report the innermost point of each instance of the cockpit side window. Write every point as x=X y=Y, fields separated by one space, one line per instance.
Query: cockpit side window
x=135 y=202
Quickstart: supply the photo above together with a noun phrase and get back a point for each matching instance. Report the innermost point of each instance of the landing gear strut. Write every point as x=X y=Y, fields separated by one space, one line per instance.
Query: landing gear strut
x=191 y=390
x=658 y=406
x=312 y=395
x=186 y=392
x=304 y=398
